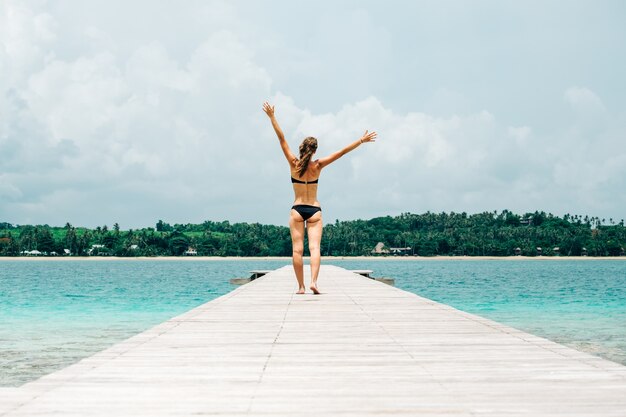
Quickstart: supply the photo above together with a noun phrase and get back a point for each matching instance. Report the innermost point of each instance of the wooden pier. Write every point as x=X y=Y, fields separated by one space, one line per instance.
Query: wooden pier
x=362 y=348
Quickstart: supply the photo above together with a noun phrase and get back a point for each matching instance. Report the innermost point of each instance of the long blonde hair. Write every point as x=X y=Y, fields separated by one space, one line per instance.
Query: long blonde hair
x=307 y=149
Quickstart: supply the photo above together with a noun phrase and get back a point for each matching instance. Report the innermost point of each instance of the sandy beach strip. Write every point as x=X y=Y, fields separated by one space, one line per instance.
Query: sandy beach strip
x=324 y=258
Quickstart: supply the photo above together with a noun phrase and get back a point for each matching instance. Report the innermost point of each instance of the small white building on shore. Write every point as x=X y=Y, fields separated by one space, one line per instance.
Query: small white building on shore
x=379 y=249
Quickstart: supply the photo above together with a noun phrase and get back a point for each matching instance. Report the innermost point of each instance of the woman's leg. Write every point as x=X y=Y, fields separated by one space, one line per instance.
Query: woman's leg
x=296 y=227
x=314 y=231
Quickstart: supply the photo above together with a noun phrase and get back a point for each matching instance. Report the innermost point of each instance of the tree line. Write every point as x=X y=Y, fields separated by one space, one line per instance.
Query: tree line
x=427 y=234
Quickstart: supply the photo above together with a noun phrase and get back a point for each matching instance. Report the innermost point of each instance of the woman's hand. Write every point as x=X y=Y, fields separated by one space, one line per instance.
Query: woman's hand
x=368 y=137
x=268 y=109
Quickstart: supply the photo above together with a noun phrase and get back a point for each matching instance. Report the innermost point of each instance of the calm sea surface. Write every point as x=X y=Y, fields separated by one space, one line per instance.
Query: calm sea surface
x=52 y=313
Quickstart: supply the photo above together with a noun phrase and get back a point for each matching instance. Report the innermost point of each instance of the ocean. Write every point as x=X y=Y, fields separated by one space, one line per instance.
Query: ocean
x=55 y=312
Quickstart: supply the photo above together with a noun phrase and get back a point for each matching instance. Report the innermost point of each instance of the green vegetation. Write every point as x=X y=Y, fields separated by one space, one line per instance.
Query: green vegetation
x=428 y=234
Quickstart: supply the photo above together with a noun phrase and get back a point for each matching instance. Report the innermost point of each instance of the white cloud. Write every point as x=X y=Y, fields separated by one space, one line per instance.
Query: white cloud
x=461 y=163
x=520 y=134
x=147 y=120
x=150 y=68
x=420 y=162
x=138 y=131
x=76 y=99
x=24 y=38
x=583 y=99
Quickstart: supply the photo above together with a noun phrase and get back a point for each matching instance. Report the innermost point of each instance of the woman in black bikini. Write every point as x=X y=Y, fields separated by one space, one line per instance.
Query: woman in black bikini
x=306 y=209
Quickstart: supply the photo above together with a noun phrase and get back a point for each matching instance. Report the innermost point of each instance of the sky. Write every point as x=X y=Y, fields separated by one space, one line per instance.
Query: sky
x=133 y=112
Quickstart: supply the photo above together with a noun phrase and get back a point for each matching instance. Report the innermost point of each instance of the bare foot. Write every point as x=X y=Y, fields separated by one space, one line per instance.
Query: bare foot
x=300 y=290
x=313 y=288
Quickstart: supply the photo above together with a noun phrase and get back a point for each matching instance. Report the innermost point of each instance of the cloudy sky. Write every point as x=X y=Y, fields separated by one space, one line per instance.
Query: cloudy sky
x=131 y=112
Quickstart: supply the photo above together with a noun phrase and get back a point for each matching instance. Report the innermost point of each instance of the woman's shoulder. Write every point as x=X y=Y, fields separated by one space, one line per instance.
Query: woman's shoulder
x=315 y=163
x=315 y=166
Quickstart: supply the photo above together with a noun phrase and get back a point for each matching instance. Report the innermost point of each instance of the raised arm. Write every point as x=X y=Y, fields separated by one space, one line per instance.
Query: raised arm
x=269 y=110
x=367 y=137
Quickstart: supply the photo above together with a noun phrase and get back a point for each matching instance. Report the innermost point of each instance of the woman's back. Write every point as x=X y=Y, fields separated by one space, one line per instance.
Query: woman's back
x=305 y=187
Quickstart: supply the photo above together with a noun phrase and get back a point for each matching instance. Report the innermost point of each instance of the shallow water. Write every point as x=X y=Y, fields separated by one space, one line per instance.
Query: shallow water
x=53 y=313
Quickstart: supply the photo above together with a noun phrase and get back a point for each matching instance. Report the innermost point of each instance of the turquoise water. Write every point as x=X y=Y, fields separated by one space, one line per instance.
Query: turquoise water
x=52 y=313
x=579 y=303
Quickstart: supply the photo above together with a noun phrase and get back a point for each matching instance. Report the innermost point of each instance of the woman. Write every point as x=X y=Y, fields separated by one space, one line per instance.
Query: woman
x=305 y=173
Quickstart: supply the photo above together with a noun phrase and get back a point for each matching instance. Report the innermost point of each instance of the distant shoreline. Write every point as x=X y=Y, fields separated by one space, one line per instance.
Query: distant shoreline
x=324 y=258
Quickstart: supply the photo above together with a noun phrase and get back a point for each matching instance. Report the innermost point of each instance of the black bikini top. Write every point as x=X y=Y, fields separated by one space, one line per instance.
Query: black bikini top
x=296 y=181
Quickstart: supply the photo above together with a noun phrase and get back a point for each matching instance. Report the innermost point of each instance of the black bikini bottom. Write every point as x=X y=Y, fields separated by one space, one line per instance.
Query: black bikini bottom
x=306 y=211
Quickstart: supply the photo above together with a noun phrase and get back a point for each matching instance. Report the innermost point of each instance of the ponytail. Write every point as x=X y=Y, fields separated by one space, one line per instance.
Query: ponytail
x=307 y=149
